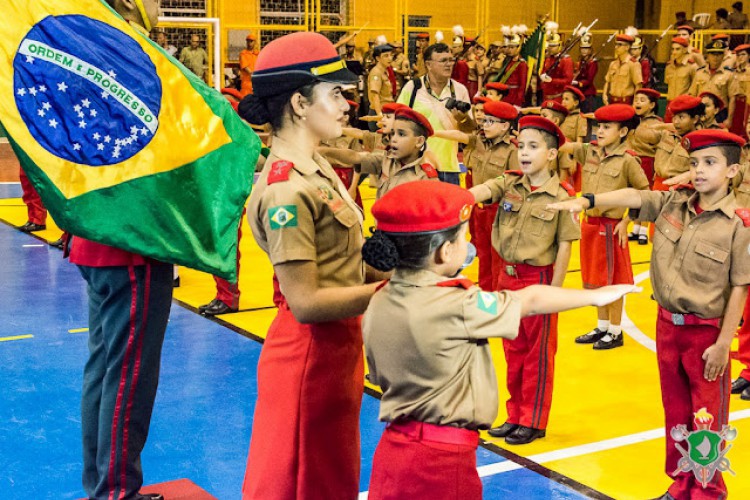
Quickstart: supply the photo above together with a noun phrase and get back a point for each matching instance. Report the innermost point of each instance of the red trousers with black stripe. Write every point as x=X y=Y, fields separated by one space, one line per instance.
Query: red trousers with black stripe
x=35 y=207
x=530 y=357
x=684 y=391
x=481 y=236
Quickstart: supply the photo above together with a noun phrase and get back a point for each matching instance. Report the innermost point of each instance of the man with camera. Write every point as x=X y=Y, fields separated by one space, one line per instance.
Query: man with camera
x=445 y=103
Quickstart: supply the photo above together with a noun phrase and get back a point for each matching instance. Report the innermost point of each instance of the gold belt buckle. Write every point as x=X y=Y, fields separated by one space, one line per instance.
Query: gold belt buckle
x=510 y=270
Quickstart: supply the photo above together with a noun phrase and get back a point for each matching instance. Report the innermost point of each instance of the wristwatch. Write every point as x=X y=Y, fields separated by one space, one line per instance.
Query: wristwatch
x=590 y=197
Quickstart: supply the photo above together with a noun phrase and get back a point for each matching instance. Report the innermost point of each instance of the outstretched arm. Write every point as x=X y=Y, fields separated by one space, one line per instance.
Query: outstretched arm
x=627 y=197
x=544 y=299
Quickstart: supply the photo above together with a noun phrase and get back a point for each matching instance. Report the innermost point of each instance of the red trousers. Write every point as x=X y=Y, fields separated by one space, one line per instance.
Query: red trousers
x=684 y=390
x=229 y=293
x=647 y=165
x=743 y=350
x=305 y=439
x=34 y=205
x=417 y=466
x=603 y=260
x=489 y=260
x=531 y=356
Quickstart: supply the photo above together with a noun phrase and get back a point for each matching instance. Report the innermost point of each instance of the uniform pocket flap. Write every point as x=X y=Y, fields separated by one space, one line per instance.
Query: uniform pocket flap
x=346 y=216
x=668 y=229
x=711 y=251
x=541 y=213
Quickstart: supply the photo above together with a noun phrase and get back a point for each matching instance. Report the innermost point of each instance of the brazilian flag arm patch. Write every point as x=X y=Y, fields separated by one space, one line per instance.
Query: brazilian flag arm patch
x=487 y=302
x=282 y=216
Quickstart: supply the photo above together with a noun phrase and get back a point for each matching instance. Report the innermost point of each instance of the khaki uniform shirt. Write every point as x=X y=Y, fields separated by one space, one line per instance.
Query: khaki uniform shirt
x=742 y=185
x=574 y=126
x=696 y=258
x=624 y=77
x=374 y=141
x=602 y=174
x=494 y=66
x=742 y=77
x=309 y=217
x=426 y=348
x=491 y=159
x=421 y=68
x=379 y=83
x=644 y=139
x=391 y=173
x=524 y=231
x=678 y=77
x=476 y=69
x=722 y=83
x=671 y=158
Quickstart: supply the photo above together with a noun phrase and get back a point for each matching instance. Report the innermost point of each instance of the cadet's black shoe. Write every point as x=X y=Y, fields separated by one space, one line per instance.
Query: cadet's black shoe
x=503 y=430
x=740 y=384
x=57 y=243
x=632 y=236
x=525 y=435
x=643 y=240
x=745 y=396
x=609 y=342
x=217 y=307
x=30 y=227
x=176 y=282
x=202 y=309
x=591 y=337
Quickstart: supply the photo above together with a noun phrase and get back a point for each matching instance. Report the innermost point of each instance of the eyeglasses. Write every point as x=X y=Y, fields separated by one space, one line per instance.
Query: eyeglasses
x=443 y=61
x=488 y=122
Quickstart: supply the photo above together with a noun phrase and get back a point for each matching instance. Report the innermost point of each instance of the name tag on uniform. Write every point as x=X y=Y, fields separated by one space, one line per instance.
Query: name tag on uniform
x=507 y=206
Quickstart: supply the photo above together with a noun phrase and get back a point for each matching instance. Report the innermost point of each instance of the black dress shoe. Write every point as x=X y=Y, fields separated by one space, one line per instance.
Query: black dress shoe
x=745 y=396
x=57 y=243
x=213 y=303
x=609 y=342
x=740 y=384
x=217 y=307
x=643 y=240
x=525 y=435
x=591 y=337
x=176 y=282
x=503 y=430
x=632 y=236
x=30 y=227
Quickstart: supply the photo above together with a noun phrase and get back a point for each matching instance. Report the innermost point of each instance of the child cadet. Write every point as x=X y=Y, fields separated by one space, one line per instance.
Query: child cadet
x=534 y=246
x=713 y=106
x=575 y=126
x=699 y=273
x=672 y=160
x=605 y=256
x=426 y=337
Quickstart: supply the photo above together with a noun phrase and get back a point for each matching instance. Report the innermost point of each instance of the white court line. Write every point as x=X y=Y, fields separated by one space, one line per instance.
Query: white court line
x=3 y=140
x=9 y=183
x=629 y=327
x=30 y=246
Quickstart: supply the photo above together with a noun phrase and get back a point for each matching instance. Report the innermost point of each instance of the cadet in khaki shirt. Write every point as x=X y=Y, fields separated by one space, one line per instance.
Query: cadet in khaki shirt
x=379 y=87
x=492 y=154
x=741 y=385
x=680 y=70
x=672 y=162
x=716 y=79
x=624 y=75
x=576 y=129
x=534 y=247
x=699 y=272
x=426 y=343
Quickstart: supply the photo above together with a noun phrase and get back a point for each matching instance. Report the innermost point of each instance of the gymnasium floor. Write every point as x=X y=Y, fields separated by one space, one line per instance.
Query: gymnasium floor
x=604 y=437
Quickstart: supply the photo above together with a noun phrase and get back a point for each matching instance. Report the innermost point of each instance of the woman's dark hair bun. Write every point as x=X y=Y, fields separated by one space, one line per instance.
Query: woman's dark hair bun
x=254 y=110
x=380 y=252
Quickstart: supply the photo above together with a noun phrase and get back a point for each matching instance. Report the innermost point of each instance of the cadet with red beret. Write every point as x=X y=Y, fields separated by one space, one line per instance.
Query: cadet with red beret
x=624 y=75
x=426 y=337
x=605 y=256
x=713 y=106
x=699 y=272
x=671 y=160
x=576 y=129
x=679 y=72
x=310 y=373
x=496 y=91
x=717 y=79
x=741 y=385
x=534 y=248
x=553 y=111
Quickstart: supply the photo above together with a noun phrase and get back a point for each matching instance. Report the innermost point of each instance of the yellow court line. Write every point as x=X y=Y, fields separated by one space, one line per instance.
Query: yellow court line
x=16 y=337
x=78 y=330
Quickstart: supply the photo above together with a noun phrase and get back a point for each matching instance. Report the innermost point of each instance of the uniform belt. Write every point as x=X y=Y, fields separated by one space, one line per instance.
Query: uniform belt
x=679 y=319
x=626 y=99
x=437 y=433
x=521 y=270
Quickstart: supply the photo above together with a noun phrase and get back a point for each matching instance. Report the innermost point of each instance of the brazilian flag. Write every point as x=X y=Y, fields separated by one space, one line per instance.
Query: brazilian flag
x=533 y=50
x=126 y=146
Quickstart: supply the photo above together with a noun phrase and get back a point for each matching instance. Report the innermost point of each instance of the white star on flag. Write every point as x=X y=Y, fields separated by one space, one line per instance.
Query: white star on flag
x=62 y=86
x=77 y=108
x=144 y=131
x=41 y=113
x=42 y=88
x=76 y=147
x=32 y=91
x=47 y=106
x=96 y=136
x=86 y=103
x=80 y=114
x=107 y=139
x=82 y=124
x=116 y=153
x=93 y=113
x=29 y=59
x=133 y=129
x=105 y=95
x=21 y=92
x=53 y=123
x=100 y=146
x=112 y=73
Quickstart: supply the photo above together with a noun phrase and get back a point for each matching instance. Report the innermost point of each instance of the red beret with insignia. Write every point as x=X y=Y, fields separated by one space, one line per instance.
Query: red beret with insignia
x=500 y=87
x=500 y=109
x=684 y=102
x=392 y=107
x=685 y=27
x=480 y=99
x=718 y=100
x=679 y=40
x=406 y=113
x=575 y=91
x=295 y=60
x=709 y=137
x=653 y=94
x=745 y=47
x=422 y=206
x=543 y=124
x=614 y=113
x=555 y=106
x=720 y=36
x=625 y=38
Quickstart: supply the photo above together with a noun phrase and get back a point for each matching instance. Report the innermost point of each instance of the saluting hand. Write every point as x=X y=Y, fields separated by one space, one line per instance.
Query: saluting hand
x=716 y=358
x=608 y=294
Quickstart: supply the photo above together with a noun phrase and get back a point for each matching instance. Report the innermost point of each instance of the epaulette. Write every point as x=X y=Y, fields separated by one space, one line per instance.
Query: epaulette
x=458 y=282
x=567 y=187
x=744 y=214
x=280 y=171
x=429 y=170
x=631 y=152
x=514 y=172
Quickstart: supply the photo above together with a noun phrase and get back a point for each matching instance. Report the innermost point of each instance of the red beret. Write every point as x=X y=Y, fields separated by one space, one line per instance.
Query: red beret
x=680 y=41
x=480 y=99
x=720 y=102
x=406 y=113
x=614 y=113
x=651 y=93
x=745 y=47
x=543 y=124
x=685 y=27
x=720 y=36
x=500 y=109
x=709 y=137
x=392 y=107
x=352 y=104
x=684 y=102
x=555 y=106
x=500 y=87
x=576 y=91
x=422 y=206
x=625 y=38
x=423 y=36
x=295 y=60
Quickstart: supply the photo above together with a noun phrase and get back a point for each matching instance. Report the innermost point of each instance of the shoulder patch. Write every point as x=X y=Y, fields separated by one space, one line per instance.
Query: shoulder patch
x=282 y=216
x=487 y=302
x=458 y=282
x=744 y=214
x=429 y=170
x=567 y=187
x=280 y=171
x=514 y=172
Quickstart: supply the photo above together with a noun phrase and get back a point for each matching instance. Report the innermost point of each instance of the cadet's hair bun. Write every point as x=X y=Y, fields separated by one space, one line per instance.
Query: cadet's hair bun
x=254 y=110
x=380 y=252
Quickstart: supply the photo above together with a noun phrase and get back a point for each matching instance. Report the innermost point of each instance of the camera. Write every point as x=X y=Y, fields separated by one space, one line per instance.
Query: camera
x=462 y=106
